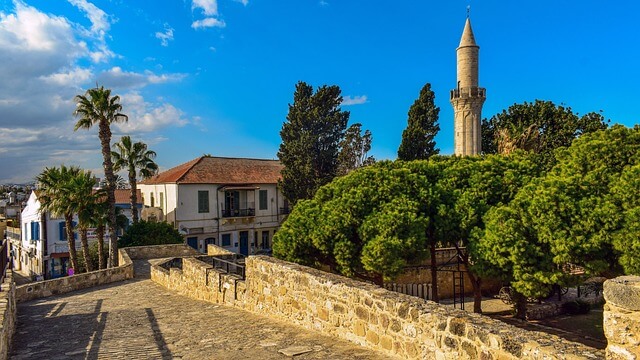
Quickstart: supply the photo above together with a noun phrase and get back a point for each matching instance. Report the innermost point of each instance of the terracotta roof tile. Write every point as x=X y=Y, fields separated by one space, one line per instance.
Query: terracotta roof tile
x=123 y=196
x=220 y=170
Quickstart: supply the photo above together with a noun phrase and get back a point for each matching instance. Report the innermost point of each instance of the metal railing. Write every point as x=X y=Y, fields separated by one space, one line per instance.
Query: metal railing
x=285 y=211
x=4 y=260
x=238 y=212
x=230 y=264
x=471 y=91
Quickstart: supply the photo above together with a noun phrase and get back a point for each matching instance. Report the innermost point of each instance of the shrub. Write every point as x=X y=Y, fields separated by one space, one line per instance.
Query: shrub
x=150 y=233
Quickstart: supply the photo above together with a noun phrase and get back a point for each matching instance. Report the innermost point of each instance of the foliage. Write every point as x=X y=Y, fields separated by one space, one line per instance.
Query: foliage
x=56 y=196
x=146 y=233
x=83 y=199
x=310 y=140
x=93 y=257
x=571 y=216
x=353 y=149
x=98 y=107
x=131 y=157
x=540 y=127
x=418 y=139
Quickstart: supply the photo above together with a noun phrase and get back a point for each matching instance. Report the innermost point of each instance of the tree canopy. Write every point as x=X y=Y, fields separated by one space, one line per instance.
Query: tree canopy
x=418 y=139
x=145 y=233
x=540 y=127
x=311 y=139
x=353 y=149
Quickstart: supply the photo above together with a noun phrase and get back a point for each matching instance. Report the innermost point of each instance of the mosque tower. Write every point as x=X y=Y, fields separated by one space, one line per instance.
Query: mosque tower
x=467 y=98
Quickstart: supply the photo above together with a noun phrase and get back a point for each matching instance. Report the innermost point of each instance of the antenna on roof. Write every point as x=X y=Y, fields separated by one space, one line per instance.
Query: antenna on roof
x=468 y=10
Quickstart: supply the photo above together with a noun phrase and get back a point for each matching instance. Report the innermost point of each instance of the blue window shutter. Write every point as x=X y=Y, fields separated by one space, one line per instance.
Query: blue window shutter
x=63 y=236
x=37 y=227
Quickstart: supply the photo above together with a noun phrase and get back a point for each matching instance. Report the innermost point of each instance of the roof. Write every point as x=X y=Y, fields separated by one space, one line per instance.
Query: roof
x=467 y=38
x=220 y=170
x=123 y=196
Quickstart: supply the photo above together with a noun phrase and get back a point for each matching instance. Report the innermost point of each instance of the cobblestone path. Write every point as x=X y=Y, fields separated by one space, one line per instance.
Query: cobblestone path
x=138 y=319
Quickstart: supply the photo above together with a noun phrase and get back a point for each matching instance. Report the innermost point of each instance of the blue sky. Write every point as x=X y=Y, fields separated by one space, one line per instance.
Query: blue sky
x=207 y=76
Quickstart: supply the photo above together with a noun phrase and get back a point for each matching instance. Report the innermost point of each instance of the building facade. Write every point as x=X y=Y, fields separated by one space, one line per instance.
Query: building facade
x=467 y=98
x=230 y=202
x=43 y=251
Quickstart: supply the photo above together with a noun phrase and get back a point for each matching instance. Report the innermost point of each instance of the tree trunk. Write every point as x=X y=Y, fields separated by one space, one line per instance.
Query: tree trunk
x=101 y=257
x=134 y=195
x=519 y=305
x=434 y=271
x=105 y=141
x=476 y=284
x=71 y=241
x=85 y=249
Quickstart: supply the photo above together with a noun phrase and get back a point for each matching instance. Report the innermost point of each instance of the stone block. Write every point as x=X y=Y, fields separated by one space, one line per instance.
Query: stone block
x=386 y=342
x=360 y=328
x=372 y=337
x=362 y=313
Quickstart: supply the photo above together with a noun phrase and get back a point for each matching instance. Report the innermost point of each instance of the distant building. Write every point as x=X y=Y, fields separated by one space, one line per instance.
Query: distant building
x=230 y=202
x=467 y=98
x=42 y=250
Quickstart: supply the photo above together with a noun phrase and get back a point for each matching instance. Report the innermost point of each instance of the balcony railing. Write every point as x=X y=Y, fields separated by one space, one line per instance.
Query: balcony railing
x=226 y=213
x=285 y=210
x=472 y=91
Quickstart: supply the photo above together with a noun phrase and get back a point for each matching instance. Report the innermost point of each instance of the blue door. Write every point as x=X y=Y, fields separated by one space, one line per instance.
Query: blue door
x=244 y=243
x=193 y=242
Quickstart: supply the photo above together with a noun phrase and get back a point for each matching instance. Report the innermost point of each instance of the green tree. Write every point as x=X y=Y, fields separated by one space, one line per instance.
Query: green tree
x=570 y=216
x=82 y=200
x=353 y=149
x=626 y=195
x=145 y=233
x=55 y=196
x=311 y=140
x=97 y=106
x=418 y=139
x=540 y=127
x=134 y=156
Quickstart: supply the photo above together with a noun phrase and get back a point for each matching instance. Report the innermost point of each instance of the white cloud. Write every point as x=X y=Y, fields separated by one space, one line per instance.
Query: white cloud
x=118 y=78
x=323 y=3
x=355 y=100
x=165 y=36
x=207 y=23
x=243 y=2
x=147 y=117
x=208 y=7
x=100 y=23
x=72 y=77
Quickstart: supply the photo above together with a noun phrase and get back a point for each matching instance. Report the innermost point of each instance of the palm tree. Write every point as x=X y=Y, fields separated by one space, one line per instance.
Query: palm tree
x=517 y=136
x=134 y=156
x=100 y=219
x=97 y=106
x=55 y=196
x=83 y=200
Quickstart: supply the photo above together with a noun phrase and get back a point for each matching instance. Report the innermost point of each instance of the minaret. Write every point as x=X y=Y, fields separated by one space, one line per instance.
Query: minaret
x=467 y=98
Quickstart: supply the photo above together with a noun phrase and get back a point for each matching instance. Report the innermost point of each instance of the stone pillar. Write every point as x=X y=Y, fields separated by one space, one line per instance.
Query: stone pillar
x=622 y=317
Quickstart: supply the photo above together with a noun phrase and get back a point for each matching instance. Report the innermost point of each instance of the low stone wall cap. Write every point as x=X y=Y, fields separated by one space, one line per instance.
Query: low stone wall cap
x=624 y=292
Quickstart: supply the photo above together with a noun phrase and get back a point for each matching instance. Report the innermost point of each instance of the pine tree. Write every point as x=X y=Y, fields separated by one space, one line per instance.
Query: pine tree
x=311 y=140
x=354 y=149
x=418 y=139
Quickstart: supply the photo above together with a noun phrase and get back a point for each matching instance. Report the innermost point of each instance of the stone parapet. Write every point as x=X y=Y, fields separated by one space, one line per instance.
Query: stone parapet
x=7 y=314
x=217 y=250
x=622 y=317
x=363 y=313
x=160 y=251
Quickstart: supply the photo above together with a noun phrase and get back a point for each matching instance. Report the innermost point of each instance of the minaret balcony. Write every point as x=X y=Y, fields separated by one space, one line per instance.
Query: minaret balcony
x=468 y=92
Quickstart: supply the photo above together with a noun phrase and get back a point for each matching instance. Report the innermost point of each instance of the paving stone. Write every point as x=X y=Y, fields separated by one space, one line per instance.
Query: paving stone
x=139 y=319
x=295 y=350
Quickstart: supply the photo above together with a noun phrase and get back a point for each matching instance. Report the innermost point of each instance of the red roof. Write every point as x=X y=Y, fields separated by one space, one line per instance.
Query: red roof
x=220 y=170
x=123 y=196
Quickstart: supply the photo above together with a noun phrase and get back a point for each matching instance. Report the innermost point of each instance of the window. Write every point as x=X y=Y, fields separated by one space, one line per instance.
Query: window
x=153 y=203
x=263 y=199
x=62 y=229
x=226 y=239
x=232 y=203
x=265 y=240
x=203 y=201
x=161 y=201
x=35 y=231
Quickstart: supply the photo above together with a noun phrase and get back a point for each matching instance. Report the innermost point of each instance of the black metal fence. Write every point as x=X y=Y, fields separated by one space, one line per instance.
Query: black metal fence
x=238 y=212
x=230 y=264
x=4 y=260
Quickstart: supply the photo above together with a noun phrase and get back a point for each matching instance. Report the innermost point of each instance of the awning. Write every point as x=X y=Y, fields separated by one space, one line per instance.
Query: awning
x=59 y=255
x=231 y=187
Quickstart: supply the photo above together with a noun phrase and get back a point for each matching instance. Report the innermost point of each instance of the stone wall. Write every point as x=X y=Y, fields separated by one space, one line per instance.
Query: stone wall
x=622 y=317
x=217 y=250
x=67 y=284
x=363 y=313
x=160 y=251
x=7 y=314
x=422 y=275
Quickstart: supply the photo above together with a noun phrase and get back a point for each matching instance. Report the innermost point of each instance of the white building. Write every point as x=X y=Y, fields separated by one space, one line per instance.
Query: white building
x=230 y=202
x=43 y=250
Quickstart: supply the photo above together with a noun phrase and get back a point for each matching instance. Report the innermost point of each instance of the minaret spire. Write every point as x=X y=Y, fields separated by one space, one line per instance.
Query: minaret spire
x=467 y=98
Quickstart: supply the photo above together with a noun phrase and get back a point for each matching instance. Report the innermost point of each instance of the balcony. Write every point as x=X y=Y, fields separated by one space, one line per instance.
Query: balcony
x=247 y=212
x=468 y=92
